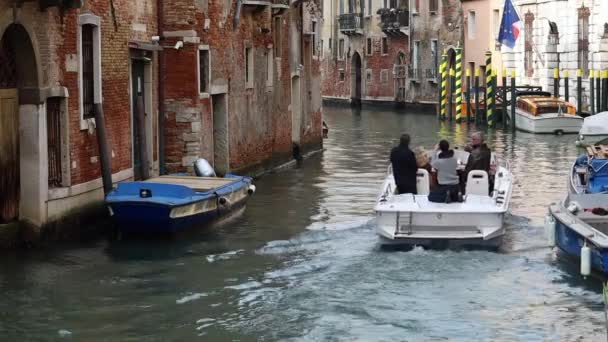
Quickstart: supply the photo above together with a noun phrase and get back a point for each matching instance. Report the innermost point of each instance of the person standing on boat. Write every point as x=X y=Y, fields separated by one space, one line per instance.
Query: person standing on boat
x=480 y=154
x=404 y=165
x=480 y=157
x=446 y=165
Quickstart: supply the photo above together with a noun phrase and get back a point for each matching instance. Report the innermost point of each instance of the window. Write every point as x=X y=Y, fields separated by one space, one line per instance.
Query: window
x=434 y=6
x=277 y=36
x=341 y=2
x=434 y=58
x=203 y=70
x=269 y=67
x=331 y=48
x=472 y=25
x=416 y=54
x=88 y=73
x=416 y=6
x=248 y=67
x=369 y=46
x=341 y=49
x=368 y=75
x=314 y=38
x=583 y=39
x=90 y=66
x=322 y=48
x=496 y=19
x=384 y=46
x=369 y=7
x=384 y=76
x=341 y=75
x=528 y=44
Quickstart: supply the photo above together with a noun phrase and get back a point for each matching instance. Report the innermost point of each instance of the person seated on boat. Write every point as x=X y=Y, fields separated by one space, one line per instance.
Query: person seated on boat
x=424 y=162
x=448 y=189
x=404 y=165
x=480 y=157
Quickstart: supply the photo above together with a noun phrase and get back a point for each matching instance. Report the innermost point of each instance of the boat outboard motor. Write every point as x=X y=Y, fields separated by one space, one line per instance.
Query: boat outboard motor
x=202 y=168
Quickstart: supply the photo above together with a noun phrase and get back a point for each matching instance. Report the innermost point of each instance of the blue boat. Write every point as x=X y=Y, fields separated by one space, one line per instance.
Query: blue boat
x=169 y=204
x=578 y=226
x=589 y=173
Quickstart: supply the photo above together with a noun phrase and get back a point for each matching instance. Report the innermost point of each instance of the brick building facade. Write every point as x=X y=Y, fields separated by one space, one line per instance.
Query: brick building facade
x=387 y=51
x=232 y=82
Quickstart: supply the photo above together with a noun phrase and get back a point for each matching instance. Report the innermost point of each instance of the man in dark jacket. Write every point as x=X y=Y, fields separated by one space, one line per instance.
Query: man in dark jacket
x=404 y=166
x=480 y=157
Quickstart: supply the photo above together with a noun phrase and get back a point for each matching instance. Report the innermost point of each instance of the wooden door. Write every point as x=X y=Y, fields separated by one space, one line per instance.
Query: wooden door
x=9 y=155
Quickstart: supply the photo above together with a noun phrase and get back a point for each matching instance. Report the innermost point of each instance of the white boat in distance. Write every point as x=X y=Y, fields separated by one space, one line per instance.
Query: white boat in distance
x=539 y=112
x=409 y=219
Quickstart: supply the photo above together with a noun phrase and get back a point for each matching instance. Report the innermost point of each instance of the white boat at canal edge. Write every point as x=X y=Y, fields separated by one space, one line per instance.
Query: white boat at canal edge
x=539 y=112
x=409 y=219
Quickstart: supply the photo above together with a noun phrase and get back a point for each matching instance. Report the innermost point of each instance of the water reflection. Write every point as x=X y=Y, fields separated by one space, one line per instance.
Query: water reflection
x=303 y=263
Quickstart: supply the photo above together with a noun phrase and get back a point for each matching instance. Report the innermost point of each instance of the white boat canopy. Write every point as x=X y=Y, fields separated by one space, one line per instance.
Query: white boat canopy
x=595 y=124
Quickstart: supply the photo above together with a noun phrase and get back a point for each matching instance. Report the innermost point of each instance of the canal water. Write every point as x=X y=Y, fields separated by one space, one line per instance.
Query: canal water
x=302 y=263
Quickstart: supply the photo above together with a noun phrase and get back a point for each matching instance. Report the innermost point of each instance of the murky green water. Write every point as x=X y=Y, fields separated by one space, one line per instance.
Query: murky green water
x=303 y=262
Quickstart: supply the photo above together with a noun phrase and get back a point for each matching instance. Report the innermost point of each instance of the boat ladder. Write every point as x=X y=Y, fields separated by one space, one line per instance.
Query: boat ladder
x=403 y=224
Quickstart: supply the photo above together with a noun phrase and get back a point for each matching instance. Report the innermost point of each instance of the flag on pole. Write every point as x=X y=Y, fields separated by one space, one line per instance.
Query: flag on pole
x=509 y=26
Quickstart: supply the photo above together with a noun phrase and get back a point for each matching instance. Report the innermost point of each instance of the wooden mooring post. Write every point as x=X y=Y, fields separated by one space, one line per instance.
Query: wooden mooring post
x=102 y=143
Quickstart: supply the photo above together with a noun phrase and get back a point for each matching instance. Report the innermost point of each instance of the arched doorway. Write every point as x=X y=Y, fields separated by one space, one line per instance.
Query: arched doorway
x=356 y=79
x=18 y=87
x=400 y=73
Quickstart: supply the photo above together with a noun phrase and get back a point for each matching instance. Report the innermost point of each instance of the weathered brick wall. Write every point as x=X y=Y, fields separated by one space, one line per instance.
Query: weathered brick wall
x=378 y=62
x=259 y=120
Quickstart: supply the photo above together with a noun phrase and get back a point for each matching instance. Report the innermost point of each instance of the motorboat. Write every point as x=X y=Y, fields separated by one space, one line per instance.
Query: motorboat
x=589 y=173
x=408 y=219
x=578 y=226
x=593 y=130
x=171 y=203
x=539 y=112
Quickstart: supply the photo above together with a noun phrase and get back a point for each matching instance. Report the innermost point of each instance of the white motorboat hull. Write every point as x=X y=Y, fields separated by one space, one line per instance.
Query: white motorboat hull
x=412 y=220
x=551 y=123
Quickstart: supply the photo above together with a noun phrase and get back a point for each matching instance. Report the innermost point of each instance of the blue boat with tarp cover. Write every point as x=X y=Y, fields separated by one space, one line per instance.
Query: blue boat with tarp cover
x=168 y=204
x=578 y=225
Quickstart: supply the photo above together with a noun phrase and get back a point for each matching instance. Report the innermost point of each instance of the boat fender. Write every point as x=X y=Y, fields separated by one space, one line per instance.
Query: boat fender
x=585 y=260
x=573 y=207
x=251 y=189
x=202 y=168
x=550 y=230
x=224 y=201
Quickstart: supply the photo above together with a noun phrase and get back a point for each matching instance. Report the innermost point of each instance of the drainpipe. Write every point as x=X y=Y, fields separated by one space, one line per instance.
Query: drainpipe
x=237 y=15
x=161 y=90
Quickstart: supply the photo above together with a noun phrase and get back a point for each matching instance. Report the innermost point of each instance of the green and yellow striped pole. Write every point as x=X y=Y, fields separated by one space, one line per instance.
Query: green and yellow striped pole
x=458 y=88
x=490 y=90
x=444 y=79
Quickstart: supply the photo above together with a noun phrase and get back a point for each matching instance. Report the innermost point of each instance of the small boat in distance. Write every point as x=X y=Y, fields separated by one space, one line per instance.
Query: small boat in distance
x=408 y=219
x=539 y=112
x=168 y=204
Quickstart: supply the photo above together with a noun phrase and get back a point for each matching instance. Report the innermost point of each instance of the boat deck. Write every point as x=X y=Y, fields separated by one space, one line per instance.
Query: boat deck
x=194 y=183
x=420 y=203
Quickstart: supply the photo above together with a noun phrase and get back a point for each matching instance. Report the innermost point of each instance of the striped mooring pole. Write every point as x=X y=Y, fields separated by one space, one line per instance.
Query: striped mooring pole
x=592 y=91
x=444 y=80
x=579 y=92
x=604 y=90
x=567 y=85
x=598 y=92
x=458 y=88
x=513 y=100
x=452 y=94
x=489 y=90
x=504 y=98
x=556 y=82
x=477 y=110
x=467 y=86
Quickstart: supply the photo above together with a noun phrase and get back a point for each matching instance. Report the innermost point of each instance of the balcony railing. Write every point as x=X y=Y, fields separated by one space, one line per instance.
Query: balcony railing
x=394 y=20
x=431 y=74
x=350 y=23
x=414 y=74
